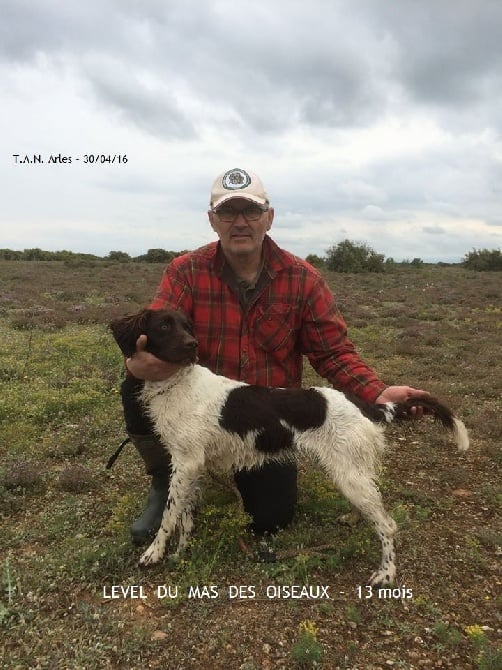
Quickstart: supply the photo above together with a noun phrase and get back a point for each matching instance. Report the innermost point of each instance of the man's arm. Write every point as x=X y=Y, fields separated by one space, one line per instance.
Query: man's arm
x=334 y=356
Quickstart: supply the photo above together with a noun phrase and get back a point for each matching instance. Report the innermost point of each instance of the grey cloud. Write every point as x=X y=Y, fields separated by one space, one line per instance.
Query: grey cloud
x=102 y=46
x=271 y=67
x=294 y=69
x=26 y=29
x=150 y=105
x=374 y=213
x=53 y=27
x=449 y=55
x=434 y=230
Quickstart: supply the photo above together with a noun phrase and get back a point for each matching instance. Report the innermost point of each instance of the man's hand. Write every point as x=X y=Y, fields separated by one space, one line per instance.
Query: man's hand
x=148 y=367
x=402 y=394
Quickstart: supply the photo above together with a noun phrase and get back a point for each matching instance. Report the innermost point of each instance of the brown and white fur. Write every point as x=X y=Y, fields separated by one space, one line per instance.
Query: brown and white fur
x=210 y=422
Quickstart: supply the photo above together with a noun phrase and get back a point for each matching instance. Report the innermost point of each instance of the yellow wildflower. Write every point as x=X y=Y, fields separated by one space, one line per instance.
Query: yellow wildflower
x=475 y=632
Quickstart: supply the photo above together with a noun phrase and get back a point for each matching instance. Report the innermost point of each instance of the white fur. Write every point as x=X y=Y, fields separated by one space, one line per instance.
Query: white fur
x=460 y=434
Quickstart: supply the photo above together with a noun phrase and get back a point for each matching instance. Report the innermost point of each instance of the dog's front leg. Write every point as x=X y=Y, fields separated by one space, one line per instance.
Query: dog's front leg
x=182 y=492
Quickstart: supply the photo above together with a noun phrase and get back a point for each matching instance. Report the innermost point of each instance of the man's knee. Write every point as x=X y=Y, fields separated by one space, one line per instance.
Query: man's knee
x=269 y=495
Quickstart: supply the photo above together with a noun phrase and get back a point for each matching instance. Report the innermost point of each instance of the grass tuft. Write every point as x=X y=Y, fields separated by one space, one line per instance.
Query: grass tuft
x=76 y=479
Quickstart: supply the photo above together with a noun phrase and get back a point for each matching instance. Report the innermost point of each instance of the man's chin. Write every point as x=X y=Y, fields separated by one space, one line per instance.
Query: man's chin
x=241 y=245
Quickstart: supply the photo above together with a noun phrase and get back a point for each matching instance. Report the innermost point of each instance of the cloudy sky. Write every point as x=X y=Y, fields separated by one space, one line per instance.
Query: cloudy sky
x=371 y=120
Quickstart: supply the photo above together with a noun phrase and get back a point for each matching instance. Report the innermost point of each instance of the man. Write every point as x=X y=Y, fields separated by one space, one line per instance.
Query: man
x=256 y=310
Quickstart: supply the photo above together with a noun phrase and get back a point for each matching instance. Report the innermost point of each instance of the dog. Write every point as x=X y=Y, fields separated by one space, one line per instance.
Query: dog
x=210 y=422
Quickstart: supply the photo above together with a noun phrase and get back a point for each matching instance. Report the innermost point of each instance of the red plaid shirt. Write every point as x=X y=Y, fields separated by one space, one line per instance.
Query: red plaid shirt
x=293 y=313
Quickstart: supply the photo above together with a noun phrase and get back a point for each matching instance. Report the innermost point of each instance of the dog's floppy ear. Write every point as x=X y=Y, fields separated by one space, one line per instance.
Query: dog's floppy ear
x=127 y=329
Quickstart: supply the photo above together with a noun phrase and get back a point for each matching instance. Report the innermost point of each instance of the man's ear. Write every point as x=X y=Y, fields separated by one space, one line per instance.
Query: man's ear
x=127 y=329
x=270 y=215
x=210 y=216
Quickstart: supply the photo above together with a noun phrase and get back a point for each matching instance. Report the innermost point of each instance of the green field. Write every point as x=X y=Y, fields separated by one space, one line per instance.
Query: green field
x=65 y=519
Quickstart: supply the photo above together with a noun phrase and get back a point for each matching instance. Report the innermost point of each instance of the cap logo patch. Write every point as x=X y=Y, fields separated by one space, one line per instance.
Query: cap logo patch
x=235 y=179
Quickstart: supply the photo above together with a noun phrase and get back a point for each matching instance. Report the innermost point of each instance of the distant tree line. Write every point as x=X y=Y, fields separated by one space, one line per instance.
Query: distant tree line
x=346 y=256
x=483 y=259
x=151 y=256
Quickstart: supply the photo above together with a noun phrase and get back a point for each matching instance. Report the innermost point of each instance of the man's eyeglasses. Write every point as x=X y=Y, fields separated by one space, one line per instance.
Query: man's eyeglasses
x=229 y=214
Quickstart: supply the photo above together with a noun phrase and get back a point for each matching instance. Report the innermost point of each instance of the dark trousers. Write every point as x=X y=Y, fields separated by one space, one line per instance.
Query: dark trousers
x=269 y=493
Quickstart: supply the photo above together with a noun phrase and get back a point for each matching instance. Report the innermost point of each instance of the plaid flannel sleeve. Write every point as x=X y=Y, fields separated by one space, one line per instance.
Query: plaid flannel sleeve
x=331 y=353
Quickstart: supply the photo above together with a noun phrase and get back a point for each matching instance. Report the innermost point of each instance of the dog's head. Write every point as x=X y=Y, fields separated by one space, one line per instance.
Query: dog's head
x=169 y=334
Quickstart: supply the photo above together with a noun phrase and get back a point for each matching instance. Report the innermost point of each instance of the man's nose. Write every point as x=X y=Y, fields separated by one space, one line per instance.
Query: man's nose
x=240 y=218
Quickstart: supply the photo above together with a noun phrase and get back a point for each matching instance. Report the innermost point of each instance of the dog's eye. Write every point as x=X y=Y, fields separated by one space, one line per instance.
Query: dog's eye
x=164 y=326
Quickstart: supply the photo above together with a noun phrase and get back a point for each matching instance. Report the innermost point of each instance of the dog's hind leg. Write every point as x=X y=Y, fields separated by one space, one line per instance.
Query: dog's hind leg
x=177 y=513
x=363 y=494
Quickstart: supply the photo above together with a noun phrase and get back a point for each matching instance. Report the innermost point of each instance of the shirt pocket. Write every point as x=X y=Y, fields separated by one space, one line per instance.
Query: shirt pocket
x=274 y=327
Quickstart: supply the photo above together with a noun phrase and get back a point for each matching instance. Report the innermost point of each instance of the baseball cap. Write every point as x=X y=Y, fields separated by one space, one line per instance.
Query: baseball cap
x=238 y=183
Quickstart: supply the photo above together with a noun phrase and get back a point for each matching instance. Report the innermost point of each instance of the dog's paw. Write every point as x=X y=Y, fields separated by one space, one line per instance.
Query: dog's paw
x=150 y=557
x=350 y=519
x=383 y=577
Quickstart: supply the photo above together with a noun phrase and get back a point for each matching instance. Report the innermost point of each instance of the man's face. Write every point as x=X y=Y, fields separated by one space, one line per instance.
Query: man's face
x=241 y=226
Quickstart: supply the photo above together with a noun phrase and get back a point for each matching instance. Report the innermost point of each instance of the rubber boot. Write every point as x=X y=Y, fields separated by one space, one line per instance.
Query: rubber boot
x=157 y=464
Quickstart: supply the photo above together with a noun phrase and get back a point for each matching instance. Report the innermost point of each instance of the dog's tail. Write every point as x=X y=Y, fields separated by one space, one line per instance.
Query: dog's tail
x=390 y=412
